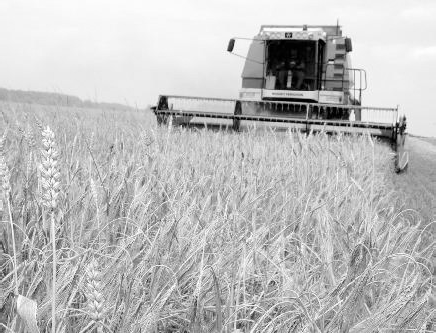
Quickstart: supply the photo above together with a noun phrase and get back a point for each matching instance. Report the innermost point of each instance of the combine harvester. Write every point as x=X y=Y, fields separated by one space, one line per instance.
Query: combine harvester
x=301 y=77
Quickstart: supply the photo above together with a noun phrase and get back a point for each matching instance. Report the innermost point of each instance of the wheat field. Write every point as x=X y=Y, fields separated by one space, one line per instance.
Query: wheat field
x=162 y=229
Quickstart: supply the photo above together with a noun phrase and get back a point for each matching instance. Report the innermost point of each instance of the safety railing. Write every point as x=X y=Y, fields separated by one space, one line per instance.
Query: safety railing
x=348 y=78
x=276 y=110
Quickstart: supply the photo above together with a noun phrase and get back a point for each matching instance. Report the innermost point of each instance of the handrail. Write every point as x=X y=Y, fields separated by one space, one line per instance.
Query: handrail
x=200 y=97
x=343 y=106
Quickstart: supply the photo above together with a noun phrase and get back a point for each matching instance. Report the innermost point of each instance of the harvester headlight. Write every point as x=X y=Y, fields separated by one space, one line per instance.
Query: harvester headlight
x=310 y=36
x=298 y=34
x=304 y=34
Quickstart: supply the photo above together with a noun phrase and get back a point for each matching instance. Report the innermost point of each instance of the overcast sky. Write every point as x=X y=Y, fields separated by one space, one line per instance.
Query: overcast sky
x=132 y=51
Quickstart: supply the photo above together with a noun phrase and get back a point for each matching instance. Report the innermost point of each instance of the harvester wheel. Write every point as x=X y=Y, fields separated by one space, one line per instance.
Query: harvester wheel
x=162 y=119
x=401 y=156
x=238 y=112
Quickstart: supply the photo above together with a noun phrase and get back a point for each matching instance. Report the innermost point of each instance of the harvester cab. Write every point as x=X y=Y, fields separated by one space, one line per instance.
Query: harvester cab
x=298 y=76
x=301 y=63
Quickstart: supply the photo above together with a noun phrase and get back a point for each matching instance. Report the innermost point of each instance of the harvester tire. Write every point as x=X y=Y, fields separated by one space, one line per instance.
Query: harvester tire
x=162 y=119
x=238 y=112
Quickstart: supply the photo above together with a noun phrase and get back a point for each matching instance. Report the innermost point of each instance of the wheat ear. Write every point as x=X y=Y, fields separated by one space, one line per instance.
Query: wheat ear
x=50 y=191
x=93 y=288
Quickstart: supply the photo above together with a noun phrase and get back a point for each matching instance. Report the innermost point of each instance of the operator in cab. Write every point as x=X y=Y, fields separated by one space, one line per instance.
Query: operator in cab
x=298 y=68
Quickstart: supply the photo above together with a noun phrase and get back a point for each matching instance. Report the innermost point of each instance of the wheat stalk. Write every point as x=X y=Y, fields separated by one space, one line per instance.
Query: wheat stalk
x=6 y=187
x=118 y=318
x=30 y=137
x=94 y=193
x=50 y=184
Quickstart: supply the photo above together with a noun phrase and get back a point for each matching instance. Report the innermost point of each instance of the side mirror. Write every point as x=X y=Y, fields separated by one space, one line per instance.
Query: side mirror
x=231 y=45
x=348 y=45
